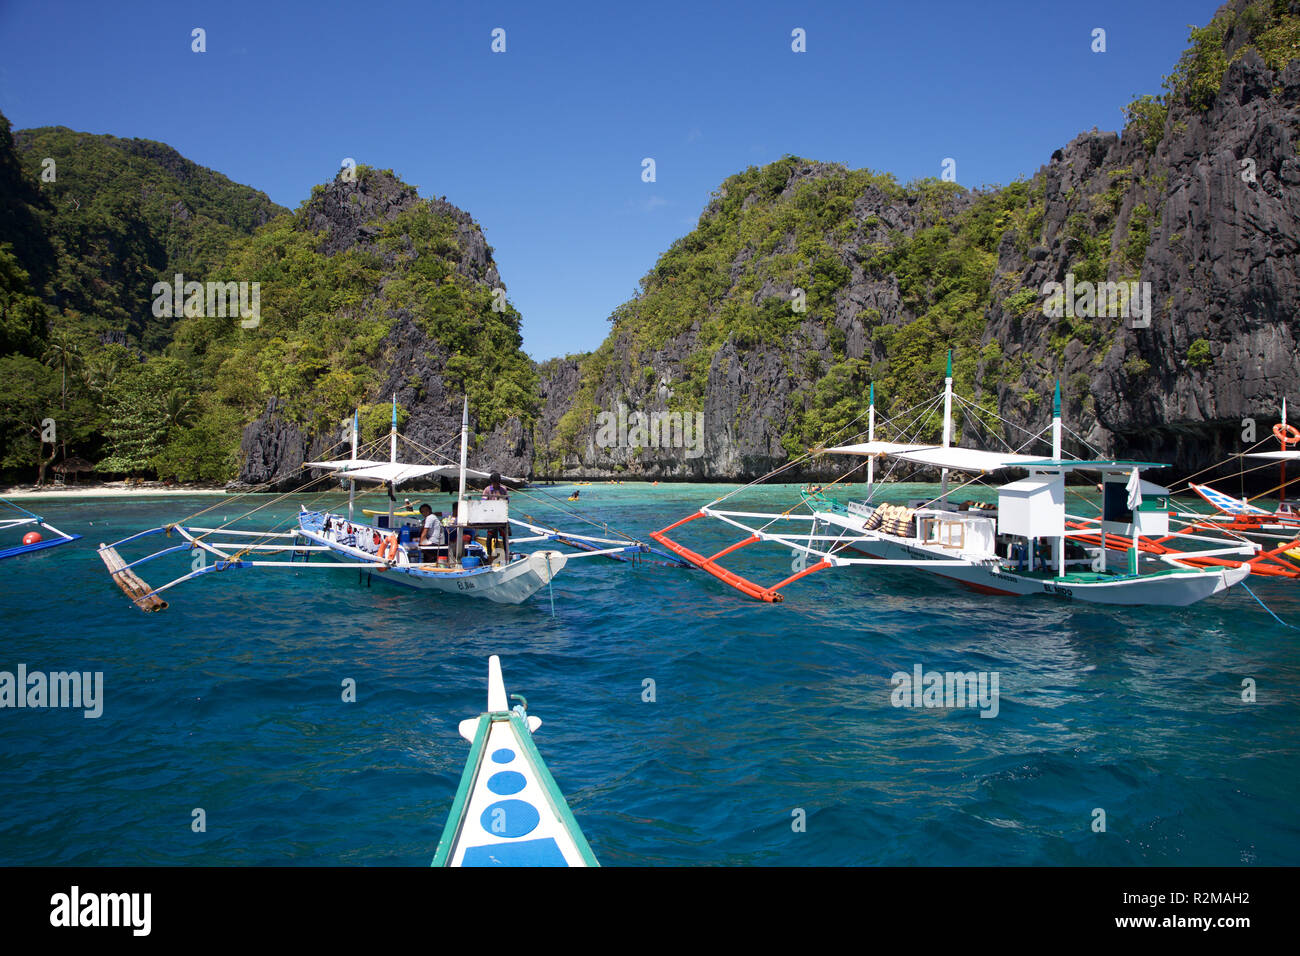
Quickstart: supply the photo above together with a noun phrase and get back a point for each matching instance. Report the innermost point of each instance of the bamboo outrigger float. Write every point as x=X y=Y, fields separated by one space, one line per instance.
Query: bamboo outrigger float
x=508 y=810
x=1026 y=544
x=461 y=566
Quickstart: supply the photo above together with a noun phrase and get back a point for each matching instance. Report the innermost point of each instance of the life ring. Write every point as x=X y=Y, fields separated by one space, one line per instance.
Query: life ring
x=1286 y=434
x=388 y=550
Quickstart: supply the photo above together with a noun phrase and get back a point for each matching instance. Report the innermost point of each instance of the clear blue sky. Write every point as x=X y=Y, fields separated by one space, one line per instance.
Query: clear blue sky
x=543 y=144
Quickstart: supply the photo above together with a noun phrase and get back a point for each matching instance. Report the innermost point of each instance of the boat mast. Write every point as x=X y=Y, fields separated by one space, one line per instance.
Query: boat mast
x=1058 y=546
x=947 y=424
x=461 y=516
x=352 y=482
x=1281 y=493
x=392 y=458
x=871 y=436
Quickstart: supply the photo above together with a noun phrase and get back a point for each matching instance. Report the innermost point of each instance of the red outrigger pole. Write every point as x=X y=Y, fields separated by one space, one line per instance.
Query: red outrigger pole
x=1273 y=563
x=745 y=586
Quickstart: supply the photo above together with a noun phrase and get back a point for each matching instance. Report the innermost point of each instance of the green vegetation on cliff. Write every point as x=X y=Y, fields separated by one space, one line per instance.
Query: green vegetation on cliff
x=798 y=225
x=138 y=390
x=123 y=213
x=326 y=320
x=90 y=224
x=1269 y=27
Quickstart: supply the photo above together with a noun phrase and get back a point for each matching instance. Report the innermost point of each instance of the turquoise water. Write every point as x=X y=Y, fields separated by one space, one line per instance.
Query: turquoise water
x=764 y=715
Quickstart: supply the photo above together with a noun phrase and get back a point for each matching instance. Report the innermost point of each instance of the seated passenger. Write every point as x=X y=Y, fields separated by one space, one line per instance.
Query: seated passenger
x=433 y=537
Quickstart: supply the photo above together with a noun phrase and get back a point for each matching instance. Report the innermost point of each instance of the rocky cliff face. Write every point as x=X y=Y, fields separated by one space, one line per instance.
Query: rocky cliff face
x=1222 y=266
x=1204 y=211
x=412 y=363
x=747 y=396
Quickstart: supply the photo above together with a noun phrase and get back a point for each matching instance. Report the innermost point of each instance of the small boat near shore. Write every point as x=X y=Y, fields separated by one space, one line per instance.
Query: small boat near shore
x=508 y=810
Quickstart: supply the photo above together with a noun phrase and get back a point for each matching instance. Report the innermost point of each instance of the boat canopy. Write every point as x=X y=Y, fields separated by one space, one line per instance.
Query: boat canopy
x=398 y=472
x=343 y=463
x=1275 y=455
x=958 y=459
x=1095 y=464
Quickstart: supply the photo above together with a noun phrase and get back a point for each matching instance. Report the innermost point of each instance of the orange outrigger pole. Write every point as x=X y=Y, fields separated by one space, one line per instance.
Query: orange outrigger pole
x=745 y=586
x=1266 y=563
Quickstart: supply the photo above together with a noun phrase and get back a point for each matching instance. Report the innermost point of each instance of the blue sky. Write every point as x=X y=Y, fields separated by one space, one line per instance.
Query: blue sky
x=543 y=144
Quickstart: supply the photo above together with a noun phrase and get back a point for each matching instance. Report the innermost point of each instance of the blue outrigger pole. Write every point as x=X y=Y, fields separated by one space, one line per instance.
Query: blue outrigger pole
x=27 y=519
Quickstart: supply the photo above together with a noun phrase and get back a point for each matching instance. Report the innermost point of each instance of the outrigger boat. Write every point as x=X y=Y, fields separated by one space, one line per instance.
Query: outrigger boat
x=508 y=810
x=1238 y=516
x=1026 y=544
x=32 y=539
x=464 y=566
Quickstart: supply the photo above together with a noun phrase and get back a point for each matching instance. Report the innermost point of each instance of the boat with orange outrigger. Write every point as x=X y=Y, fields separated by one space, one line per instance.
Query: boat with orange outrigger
x=1138 y=550
x=1280 y=527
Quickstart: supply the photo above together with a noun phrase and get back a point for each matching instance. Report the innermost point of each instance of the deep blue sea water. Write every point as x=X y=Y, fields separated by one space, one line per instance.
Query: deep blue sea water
x=230 y=701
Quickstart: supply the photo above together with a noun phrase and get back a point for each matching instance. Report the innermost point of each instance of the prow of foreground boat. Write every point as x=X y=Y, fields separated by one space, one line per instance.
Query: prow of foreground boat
x=508 y=810
x=1025 y=544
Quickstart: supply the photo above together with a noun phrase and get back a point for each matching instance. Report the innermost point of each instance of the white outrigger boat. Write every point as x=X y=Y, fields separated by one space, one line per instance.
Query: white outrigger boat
x=508 y=810
x=1026 y=544
x=32 y=539
x=392 y=550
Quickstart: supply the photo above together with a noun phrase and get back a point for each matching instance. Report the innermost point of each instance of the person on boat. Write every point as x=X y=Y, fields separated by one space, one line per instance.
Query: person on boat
x=495 y=488
x=433 y=537
x=574 y=496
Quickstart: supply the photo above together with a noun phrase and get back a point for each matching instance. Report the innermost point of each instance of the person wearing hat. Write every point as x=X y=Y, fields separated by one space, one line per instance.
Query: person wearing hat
x=433 y=537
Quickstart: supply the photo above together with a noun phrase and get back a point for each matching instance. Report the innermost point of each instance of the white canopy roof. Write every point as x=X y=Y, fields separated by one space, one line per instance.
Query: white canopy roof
x=344 y=463
x=959 y=459
x=399 y=472
x=876 y=448
x=1275 y=455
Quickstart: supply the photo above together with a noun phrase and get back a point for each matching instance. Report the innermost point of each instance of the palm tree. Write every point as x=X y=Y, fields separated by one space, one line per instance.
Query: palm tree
x=101 y=372
x=178 y=406
x=63 y=351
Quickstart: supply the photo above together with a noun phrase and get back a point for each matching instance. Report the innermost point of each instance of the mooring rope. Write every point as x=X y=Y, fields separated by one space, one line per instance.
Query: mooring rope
x=1266 y=608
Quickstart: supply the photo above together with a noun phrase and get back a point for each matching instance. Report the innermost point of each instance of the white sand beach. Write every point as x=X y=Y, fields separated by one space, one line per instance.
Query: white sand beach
x=109 y=489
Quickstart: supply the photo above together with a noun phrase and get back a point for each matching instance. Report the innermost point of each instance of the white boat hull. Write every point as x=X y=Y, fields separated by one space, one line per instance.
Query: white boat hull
x=1175 y=588
x=511 y=583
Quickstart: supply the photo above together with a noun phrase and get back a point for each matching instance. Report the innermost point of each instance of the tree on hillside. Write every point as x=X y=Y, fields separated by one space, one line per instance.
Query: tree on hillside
x=30 y=415
x=23 y=316
x=138 y=419
x=63 y=352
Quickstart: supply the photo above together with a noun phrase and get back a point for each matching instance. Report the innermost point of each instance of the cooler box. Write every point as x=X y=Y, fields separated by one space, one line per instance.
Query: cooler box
x=495 y=511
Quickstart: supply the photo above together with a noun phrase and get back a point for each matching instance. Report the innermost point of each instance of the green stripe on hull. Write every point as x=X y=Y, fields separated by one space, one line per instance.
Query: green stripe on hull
x=457 y=815
x=553 y=794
